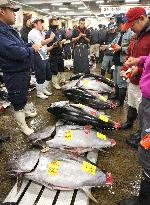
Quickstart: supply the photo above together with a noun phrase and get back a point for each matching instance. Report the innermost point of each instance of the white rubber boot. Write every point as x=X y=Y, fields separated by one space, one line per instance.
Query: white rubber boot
x=45 y=88
x=30 y=110
x=40 y=93
x=55 y=82
x=62 y=77
x=20 y=117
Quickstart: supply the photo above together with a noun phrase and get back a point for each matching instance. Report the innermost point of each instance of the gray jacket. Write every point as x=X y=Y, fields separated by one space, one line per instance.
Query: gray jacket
x=124 y=44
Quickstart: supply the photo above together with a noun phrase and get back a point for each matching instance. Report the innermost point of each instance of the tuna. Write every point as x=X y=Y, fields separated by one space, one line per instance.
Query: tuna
x=73 y=138
x=89 y=98
x=60 y=171
x=82 y=115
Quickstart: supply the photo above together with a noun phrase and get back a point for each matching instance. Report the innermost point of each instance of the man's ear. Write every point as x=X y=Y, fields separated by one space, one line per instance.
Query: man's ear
x=2 y=11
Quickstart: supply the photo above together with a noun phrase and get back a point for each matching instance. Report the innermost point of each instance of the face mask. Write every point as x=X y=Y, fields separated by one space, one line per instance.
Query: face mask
x=54 y=27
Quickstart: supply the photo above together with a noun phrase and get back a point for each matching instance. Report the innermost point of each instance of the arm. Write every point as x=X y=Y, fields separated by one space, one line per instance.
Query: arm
x=48 y=40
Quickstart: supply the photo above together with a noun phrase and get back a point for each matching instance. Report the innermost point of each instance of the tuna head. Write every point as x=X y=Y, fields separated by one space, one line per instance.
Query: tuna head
x=25 y=163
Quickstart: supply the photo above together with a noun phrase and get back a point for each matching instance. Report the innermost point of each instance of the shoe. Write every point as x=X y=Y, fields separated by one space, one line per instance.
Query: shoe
x=126 y=125
x=20 y=117
x=134 y=140
x=4 y=138
x=30 y=110
x=131 y=201
x=62 y=78
x=122 y=95
x=55 y=82
x=45 y=88
x=103 y=72
x=40 y=93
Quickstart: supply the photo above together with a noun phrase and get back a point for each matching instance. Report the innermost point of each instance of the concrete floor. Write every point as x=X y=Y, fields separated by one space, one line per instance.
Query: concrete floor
x=121 y=160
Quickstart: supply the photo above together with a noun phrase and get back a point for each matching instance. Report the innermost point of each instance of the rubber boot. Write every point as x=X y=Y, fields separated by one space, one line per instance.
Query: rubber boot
x=131 y=201
x=20 y=117
x=134 y=139
x=45 y=88
x=122 y=95
x=62 y=77
x=55 y=81
x=131 y=117
x=103 y=72
x=116 y=96
x=40 y=93
x=30 y=110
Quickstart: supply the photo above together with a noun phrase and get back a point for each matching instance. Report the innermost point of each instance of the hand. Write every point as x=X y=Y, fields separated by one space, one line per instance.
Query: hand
x=52 y=36
x=134 y=70
x=83 y=35
x=103 y=47
x=80 y=35
x=132 y=61
x=122 y=73
x=36 y=47
x=116 y=48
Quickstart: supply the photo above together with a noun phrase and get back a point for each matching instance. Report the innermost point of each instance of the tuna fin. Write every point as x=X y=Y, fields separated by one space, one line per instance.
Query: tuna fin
x=88 y=193
x=19 y=181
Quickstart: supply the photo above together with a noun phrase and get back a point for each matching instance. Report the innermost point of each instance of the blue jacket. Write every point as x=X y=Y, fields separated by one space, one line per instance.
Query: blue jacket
x=15 y=54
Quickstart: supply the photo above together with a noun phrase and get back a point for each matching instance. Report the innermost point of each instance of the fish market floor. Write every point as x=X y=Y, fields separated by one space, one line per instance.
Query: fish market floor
x=120 y=160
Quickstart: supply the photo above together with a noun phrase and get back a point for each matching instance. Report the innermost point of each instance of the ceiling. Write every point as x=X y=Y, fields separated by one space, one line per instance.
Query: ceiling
x=74 y=8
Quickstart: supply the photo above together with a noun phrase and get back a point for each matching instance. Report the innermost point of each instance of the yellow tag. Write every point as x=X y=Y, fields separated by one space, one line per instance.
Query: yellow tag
x=80 y=105
x=103 y=118
x=89 y=168
x=53 y=168
x=107 y=79
x=103 y=98
x=101 y=136
x=69 y=135
x=86 y=82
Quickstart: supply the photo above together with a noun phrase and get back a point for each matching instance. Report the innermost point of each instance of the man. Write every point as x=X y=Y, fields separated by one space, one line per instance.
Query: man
x=139 y=22
x=121 y=43
x=41 y=63
x=27 y=27
x=81 y=39
x=55 y=39
x=15 y=58
x=139 y=46
x=108 y=53
x=94 y=45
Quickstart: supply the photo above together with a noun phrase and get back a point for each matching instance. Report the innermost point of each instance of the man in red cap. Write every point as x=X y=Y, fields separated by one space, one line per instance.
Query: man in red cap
x=139 y=46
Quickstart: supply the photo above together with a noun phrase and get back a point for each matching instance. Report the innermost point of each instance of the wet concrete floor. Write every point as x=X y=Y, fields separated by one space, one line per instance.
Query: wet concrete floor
x=121 y=160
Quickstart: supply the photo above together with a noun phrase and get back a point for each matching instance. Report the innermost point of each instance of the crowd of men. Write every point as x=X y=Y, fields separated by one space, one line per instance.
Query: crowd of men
x=124 y=44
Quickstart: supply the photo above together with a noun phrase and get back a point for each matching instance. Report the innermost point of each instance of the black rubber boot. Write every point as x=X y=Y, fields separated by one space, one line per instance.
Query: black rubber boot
x=131 y=201
x=103 y=72
x=116 y=95
x=144 y=196
x=134 y=139
x=131 y=117
x=122 y=95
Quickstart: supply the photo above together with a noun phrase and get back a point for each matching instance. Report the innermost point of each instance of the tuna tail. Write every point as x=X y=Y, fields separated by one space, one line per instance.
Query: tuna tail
x=19 y=181
x=88 y=193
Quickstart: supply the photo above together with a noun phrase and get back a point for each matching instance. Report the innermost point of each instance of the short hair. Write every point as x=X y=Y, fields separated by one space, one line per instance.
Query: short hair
x=81 y=19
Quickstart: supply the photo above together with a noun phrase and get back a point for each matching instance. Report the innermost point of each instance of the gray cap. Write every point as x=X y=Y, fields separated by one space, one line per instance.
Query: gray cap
x=8 y=4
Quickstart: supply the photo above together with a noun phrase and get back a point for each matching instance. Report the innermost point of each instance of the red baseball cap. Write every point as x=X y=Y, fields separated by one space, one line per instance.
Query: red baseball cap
x=133 y=14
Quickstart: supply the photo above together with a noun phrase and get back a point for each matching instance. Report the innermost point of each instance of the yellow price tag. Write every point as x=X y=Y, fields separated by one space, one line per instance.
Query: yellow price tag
x=103 y=98
x=89 y=168
x=101 y=136
x=80 y=105
x=103 y=118
x=53 y=168
x=107 y=79
x=69 y=135
x=86 y=82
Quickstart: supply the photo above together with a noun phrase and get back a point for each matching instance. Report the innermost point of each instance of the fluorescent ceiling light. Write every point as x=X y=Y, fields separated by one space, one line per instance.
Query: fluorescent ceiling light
x=76 y=3
x=100 y=2
x=81 y=8
x=64 y=9
x=70 y=12
x=133 y=1
x=45 y=9
x=56 y=4
x=88 y=12
x=55 y=12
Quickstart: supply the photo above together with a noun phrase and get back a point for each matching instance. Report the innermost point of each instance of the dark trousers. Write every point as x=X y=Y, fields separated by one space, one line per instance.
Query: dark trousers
x=56 y=64
x=42 y=69
x=17 y=85
x=81 y=61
